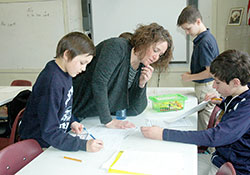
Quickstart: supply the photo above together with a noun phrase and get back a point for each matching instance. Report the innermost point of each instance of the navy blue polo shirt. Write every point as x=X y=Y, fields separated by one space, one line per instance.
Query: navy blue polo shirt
x=204 y=51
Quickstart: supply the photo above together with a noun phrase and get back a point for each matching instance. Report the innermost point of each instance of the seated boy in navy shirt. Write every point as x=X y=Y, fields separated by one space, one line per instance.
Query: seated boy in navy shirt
x=231 y=137
x=48 y=114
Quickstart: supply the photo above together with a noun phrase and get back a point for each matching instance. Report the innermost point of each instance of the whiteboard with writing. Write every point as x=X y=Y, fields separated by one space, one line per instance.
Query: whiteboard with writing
x=29 y=32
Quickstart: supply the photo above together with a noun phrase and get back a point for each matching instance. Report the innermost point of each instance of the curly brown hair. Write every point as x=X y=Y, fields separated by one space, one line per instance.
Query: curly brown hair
x=147 y=35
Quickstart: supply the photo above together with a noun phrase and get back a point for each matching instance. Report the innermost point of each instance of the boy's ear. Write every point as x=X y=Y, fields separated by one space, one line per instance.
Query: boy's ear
x=236 y=82
x=198 y=21
x=66 y=55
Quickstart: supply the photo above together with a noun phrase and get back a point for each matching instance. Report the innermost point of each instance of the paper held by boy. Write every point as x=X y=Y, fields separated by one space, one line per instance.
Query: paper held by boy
x=170 y=117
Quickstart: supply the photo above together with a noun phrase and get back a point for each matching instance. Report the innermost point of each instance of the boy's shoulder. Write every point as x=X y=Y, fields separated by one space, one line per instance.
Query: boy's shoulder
x=207 y=40
x=243 y=99
x=205 y=36
x=52 y=74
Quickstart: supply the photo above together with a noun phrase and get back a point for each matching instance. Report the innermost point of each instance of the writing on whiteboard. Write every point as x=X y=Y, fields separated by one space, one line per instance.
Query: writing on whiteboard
x=33 y=13
x=7 y=24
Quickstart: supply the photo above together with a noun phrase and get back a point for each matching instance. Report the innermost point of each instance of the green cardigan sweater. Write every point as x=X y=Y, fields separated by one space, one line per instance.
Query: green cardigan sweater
x=103 y=88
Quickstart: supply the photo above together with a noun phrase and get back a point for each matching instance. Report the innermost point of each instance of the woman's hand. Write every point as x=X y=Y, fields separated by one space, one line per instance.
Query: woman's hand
x=146 y=75
x=153 y=132
x=119 y=124
x=76 y=127
x=94 y=145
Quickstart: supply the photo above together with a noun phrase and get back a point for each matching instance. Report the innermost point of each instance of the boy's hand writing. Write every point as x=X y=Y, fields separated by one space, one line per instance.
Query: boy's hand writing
x=213 y=97
x=76 y=127
x=94 y=145
x=120 y=124
x=153 y=132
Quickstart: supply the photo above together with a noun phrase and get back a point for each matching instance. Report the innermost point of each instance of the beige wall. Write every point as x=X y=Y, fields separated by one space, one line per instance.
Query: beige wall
x=215 y=16
x=223 y=10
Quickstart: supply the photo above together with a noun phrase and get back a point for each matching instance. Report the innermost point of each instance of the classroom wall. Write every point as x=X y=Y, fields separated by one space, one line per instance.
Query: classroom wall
x=214 y=18
x=223 y=10
x=72 y=22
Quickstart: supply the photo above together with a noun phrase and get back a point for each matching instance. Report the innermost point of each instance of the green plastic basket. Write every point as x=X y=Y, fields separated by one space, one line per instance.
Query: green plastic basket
x=169 y=102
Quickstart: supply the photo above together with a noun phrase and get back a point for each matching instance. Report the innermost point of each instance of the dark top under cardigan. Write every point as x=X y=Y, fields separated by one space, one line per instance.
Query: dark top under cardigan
x=103 y=88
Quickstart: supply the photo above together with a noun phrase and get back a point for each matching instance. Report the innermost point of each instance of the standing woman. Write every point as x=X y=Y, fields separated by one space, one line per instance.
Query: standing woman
x=117 y=76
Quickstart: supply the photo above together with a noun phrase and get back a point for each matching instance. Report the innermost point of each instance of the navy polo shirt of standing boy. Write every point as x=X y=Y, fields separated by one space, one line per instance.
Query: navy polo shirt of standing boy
x=204 y=52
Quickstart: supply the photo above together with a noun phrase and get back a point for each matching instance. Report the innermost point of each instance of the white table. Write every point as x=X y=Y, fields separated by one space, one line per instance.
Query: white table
x=51 y=161
x=7 y=93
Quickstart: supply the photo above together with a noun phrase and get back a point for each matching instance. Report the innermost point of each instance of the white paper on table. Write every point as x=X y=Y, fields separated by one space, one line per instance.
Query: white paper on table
x=175 y=121
x=148 y=162
x=197 y=108
x=112 y=138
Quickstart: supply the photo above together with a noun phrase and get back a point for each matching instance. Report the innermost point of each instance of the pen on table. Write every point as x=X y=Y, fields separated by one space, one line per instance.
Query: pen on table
x=89 y=133
x=78 y=160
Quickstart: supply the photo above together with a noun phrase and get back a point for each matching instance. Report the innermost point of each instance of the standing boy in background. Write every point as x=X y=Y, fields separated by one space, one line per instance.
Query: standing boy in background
x=231 y=137
x=204 y=51
x=48 y=114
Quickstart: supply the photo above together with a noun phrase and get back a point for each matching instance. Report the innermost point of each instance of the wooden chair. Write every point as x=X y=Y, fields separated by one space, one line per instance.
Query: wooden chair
x=8 y=141
x=14 y=157
x=226 y=169
x=211 y=124
x=21 y=83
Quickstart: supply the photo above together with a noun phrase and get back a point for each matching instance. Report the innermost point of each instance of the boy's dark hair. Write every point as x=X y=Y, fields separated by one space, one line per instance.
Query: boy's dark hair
x=146 y=35
x=188 y=15
x=231 y=64
x=76 y=43
x=126 y=35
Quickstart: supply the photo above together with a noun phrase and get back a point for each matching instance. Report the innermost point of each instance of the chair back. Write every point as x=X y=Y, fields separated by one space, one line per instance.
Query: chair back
x=14 y=157
x=213 y=116
x=211 y=124
x=13 y=135
x=15 y=127
x=21 y=83
x=226 y=169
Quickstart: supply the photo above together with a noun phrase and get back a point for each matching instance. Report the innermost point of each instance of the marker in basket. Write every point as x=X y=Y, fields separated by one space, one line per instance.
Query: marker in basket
x=89 y=133
x=78 y=160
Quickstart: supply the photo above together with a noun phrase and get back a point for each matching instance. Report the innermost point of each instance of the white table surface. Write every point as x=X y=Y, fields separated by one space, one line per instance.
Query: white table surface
x=7 y=93
x=51 y=161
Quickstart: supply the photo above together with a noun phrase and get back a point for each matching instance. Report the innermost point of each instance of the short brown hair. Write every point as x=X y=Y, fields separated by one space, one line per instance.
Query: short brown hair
x=146 y=35
x=76 y=43
x=231 y=64
x=188 y=15
x=126 y=35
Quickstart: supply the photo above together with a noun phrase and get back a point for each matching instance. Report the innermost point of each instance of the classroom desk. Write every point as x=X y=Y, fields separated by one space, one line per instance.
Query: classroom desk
x=7 y=93
x=51 y=161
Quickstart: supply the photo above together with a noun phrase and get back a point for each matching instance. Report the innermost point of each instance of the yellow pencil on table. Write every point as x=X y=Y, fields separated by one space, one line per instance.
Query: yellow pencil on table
x=78 y=160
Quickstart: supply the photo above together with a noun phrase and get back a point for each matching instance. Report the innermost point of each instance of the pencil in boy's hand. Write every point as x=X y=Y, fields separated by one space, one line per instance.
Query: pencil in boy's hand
x=217 y=99
x=89 y=133
x=92 y=136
